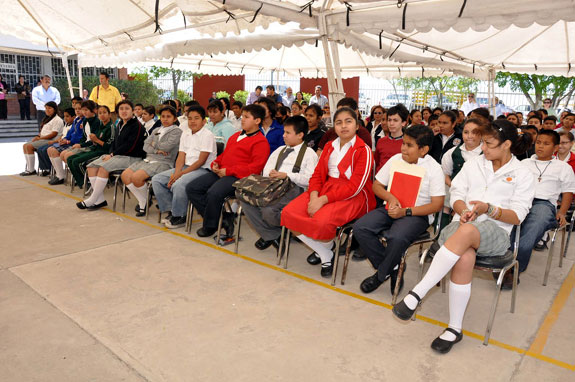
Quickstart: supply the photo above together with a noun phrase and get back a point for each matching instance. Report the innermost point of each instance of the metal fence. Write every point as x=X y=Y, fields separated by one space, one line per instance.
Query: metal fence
x=166 y=87
x=278 y=79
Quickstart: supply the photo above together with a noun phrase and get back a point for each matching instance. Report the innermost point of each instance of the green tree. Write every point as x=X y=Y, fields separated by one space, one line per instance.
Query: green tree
x=241 y=95
x=177 y=75
x=223 y=94
x=439 y=86
x=555 y=87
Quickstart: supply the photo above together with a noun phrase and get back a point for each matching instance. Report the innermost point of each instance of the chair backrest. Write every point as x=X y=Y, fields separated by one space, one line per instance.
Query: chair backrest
x=220 y=147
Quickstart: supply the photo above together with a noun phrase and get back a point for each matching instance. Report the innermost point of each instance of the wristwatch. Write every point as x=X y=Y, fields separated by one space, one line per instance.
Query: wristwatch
x=408 y=212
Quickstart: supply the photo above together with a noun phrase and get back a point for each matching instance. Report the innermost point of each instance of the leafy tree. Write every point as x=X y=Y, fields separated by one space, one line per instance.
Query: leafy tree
x=442 y=87
x=555 y=87
x=177 y=75
x=306 y=96
x=223 y=94
x=241 y=95
x=183 y=96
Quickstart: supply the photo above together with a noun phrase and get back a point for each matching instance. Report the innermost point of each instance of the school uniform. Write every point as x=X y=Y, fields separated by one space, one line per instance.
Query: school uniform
x=245 y=154
x=267 y=220
x=343 y=174
x=377 y=133
x=166 y=139
x=553 y=178
x=570 y=160
x=386 y=148
x=330 y=135
x=274 y=134
x=441 y=144
x=399 y=233
x=313 y=137
x=152 y=125
x=175 y=199
x=222 y=130
x=510 y=187
x=42 y=151
x=452 y=162
x=56 y=124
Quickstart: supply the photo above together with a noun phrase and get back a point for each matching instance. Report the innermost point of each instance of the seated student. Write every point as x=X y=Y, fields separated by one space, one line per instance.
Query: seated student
x=89 y=123
x=531 y=130
x=71 y=137
x=272 y=129
x=455 y=157
x=550 y=123
x=403 y=225
x=296 y=109
x=196 y=153
x=51 y=130
x=447 y=138
x=138 y=111
x=362 y=132
x=246 y=153
x=425 y=114
x=564 y=152
x=227 y=108
x=490 y=194
x=267 y=220
x=377 y=125
x=127 y=148
x=512 y=117
x=96 y=144
x=339 y=192
x=42 y=151
x=554 y=178
x=535 y=121
x=183 y=119
x=437 y=111
x=391 y=144
x=218 y=124
x=161 y=149
x=433 y=124
x=567 y=123
x=304 y=106
x=415 y=118
x=313 y=116
x=282 y=114
x=237 y=110
x=150 y=121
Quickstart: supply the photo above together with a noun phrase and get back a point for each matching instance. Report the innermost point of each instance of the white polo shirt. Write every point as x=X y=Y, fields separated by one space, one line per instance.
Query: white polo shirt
x=447 y=159
x=194 y=144
x=56 y=124
x=433 y=183
x=308 y=164
x=556 y=178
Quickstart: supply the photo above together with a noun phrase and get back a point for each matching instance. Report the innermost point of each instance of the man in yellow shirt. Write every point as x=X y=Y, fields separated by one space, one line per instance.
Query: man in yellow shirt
x=106 y=94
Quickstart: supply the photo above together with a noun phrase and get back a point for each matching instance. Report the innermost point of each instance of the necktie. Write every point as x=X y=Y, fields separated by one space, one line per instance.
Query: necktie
x=283 y=155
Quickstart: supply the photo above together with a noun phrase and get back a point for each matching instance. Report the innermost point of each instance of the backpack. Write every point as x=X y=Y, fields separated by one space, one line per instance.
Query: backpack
x=260 y=191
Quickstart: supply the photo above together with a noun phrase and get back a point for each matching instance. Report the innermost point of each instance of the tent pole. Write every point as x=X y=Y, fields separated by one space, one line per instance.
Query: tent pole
x=491 y=89
x=80 y=82
x=65 y=64
x=331 y=83
x=337 y=69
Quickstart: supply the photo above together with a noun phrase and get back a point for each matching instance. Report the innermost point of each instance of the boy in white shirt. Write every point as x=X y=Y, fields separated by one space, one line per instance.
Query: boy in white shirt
x=267 y=220
x=402 y=225
x=552 y=178
x=196 y=153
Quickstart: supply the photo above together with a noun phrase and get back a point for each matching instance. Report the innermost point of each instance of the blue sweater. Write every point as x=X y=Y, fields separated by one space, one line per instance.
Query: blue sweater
x=275 y=136
x=75 y=133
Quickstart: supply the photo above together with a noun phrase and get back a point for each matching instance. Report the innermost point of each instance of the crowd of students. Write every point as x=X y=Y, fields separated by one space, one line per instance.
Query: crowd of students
x=340 y=170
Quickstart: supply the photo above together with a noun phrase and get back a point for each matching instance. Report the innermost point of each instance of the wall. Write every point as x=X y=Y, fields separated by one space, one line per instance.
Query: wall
x=350 y=86
x=205 y=85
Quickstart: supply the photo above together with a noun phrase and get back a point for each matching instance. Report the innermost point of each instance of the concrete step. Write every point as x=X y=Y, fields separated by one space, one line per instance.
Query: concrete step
x=17 y=134
x=31 y=130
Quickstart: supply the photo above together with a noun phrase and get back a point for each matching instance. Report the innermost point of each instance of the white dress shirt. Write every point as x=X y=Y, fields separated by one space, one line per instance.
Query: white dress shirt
x=556 y=178
x=510 y=187
x=321 y=100
x=194 y=144
x=337 y=155
x=308 y=164
x=56 y=124
x=288 y=100
x=468 y=107
x=447 y=159
x=41 y=96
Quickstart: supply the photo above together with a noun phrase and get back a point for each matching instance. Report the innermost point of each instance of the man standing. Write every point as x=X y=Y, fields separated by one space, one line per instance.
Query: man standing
x=289 y=98
x=318 y=98
x=43 y=94
x=23 y=92
x=469 y=105
x=254 y=95
x=271 y=94
x=106 y=94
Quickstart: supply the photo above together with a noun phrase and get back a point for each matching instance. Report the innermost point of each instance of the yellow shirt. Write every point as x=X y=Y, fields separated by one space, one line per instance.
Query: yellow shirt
x=109 y=97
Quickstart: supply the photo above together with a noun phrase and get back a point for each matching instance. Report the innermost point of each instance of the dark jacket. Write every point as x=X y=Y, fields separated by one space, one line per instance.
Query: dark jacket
x=129 y=139
x=437 y=150
x=22 y=88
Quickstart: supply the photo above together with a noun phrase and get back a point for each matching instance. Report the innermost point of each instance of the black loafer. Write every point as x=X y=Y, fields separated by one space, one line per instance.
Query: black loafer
x=313 y=259
x=402 y=311
x=262 y=244
x=98 y=206
x=55 y=181
x=370 y=284
x=327 y=269
x=28 y=173
x=140 y=211
x=358 y=255
x=81 y=205
x=205 y=232
x=444 y=346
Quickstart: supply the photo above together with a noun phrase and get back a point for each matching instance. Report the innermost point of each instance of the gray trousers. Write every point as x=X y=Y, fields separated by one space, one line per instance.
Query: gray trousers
x=267 y=220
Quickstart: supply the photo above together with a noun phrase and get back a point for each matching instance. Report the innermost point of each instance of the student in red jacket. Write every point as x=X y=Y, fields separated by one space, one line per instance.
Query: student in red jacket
x=339 y=191
x=246 y=153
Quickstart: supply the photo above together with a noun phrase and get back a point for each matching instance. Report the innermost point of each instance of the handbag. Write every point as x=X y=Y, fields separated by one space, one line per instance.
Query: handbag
x=260 y=191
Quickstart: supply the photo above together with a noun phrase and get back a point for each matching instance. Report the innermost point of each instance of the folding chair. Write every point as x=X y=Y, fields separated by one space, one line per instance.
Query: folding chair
x=227 y=208
x=562 y=228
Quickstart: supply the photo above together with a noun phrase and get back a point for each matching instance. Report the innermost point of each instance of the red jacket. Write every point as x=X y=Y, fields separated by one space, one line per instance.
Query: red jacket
x=246 y=157
x=360 y=158
x=571 y=161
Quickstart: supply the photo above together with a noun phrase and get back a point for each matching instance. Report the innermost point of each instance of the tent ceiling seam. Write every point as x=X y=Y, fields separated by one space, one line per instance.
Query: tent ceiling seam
x=526 y=43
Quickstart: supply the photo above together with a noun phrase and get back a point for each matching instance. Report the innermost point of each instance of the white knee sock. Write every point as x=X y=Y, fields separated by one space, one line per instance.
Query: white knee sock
x=140 y=194
x=97 y=196
x=58 y=167
x=30 y=159
x=92 y=180
x=442 y=263
x=321 y=248
x=458 y=298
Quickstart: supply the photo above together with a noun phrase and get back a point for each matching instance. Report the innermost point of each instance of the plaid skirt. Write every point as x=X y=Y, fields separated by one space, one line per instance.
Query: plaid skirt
x=494 y=240
x=150 y=168
x=115 y=163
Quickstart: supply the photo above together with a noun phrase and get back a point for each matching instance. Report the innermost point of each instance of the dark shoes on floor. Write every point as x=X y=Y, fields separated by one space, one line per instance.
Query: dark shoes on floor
x=262 y=244
x=176 y=222
x=327 y=269
x=55 y=181
x=205 y=232
x=140 y=211
x=313 y=259
x=402 y=311
x=370 y=284
x=98 y=206
x=28 y=173
x=444 y=346
x=507 y=283
x=81 y=205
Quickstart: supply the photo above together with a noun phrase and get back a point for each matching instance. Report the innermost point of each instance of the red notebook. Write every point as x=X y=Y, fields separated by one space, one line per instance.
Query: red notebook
x=405 y=182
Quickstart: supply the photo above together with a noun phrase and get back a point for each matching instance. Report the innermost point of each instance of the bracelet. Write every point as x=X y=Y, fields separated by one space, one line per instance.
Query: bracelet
x=464 y=211
x=490 y=209
x=500 y=212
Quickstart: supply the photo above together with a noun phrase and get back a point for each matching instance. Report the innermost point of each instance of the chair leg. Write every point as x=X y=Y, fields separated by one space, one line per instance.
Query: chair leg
x=563 y=247
x=549 y=258
x=148 y=199
x=189 y=217
x=347 y=257
x=115 y=193
x=85 y=187
x=493 y=307
x=399 y=276
x=287 y=244
x=281 y=246
x=124 y=192
x=515 y=281
x=237 y=233
x=336 y=255
x=219 y=231
x=570 y=228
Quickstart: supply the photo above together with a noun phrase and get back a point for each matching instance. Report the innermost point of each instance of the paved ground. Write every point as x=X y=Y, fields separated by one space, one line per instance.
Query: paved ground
x=104 y=296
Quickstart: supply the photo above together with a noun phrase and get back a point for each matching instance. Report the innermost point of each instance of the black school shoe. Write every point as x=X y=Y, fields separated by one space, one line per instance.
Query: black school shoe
x=28 y=173
x=205 y=232
x=402 y=311
x=444 y=346
x=98 y=206
x=262 y=244
x=55 y=181
x=176 y=222
x=370 y=284
x=140 y=211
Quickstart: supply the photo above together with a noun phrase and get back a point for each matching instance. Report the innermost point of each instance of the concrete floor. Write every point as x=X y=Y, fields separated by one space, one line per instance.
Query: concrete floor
x=103 y=296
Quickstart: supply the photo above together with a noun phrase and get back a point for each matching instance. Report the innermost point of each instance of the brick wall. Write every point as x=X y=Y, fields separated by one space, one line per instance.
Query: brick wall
x=350 y=86
x=14 y=106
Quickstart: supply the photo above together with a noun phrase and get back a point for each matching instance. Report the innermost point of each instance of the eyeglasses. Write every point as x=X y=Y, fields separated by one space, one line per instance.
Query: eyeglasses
x=547 y=102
